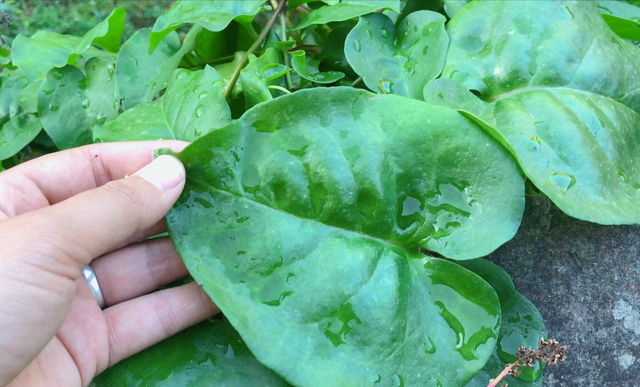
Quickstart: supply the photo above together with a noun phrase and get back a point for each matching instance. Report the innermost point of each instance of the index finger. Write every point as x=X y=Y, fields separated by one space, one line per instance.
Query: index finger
x=58 y=176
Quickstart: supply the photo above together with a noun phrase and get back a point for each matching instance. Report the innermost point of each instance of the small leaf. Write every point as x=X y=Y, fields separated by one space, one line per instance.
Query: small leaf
x=254 y=89
x=622 y=18
x=345 y=10
x=70 y=104
x=452 y=7
x=521 y=325
x=566 y=111
x=401 y=62
x=213 y=15
x=140 y=75
x=18 y=133
x=12 y=83
x=211 y=353
x=192 y=106
x=46 y=50
x=308 y=69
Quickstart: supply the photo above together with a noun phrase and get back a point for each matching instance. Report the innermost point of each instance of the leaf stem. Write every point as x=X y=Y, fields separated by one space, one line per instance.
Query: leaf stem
x=505 y=372
x=285 y=54
x=358 y=80
x=276 y=87
x=254 y=47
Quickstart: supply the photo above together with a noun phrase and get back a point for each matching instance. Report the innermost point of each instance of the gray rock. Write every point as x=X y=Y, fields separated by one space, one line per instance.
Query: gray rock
x=585 y=280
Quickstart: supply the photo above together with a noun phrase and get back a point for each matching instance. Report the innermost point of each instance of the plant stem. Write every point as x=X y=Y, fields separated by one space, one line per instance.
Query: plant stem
x=358 y=80
x=276 y=87
x=254 y=47
x=504 y=373
x=285 y=55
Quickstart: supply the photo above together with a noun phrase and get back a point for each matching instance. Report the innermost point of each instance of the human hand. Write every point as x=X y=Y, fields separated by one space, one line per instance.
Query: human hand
x=57 y=214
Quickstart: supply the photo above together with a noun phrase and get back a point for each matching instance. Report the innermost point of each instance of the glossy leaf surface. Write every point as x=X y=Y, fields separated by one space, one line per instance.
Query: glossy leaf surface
x=18 y=133
x=560 y=92
x=45 y=49
x=398 y=62
x=521 y=326
x=70 y=104
x=308 y=69
x=622 y=18
x=213 y=15
x=140 y=75
x=192 y=106
x=345 y=10
x=254 y=89
x=292 y=219
x=209 y=354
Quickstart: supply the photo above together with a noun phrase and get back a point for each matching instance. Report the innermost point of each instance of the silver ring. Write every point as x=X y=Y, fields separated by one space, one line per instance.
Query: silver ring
x=90 y=276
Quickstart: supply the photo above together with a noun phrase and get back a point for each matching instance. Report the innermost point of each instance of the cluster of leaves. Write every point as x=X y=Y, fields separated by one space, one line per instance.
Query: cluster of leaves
x=308 y=204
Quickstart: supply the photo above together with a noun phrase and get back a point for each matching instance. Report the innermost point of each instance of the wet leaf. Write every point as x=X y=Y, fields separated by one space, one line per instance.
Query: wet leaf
x=560 y=92
x=452 y=7
x=254 y=89
x=45 y=49
x=521 y=326
x=308 y=69
x=345 y=10
x=209 y=354
x=12 y=83
x=293 y=218
x=398 y=62
x=140 y=75
x=17 y=133
x=213 y=15
x=192 y=106
x=622 y=18
x=70 y=104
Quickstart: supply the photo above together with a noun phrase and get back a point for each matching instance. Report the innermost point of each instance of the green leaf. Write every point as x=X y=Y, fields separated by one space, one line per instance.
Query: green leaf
x=308 y=69
x=18 y=133
x=12 y=83
x=293 y=218
x=622 y=18
x=254 y=89
x=345 y=10
x=452 y=7
x=560 y=92
x=5 y=52
x=70 y=104
x=521 y=326
x=46 y=50
x=193 y=105
x=140 y=75
x=213 y=15
x=209 y=354
x=401 y=62
x=332 y=55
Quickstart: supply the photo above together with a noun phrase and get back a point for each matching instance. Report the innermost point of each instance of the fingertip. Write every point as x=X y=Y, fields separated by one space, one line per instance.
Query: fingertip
x=165 y=173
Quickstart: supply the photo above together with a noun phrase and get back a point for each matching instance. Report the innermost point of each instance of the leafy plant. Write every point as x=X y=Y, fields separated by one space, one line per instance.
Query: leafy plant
x=351 y=161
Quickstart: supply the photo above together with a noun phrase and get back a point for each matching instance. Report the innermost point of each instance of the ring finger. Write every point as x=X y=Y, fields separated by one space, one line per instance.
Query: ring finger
x=138 y=269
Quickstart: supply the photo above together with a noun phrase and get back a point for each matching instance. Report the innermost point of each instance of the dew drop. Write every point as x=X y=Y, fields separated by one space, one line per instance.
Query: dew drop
x=386 y=86
x=56 y=74
x=356 y=45
x=54 y=108
x=562 y=180
x=181 y=75
x=429 y=346
x=101 y=118
x=199 y=111
x=375 y=379
x=203 y=95
x=384 y=33
x=397 y=380
x=86 y=103
x=368 y=33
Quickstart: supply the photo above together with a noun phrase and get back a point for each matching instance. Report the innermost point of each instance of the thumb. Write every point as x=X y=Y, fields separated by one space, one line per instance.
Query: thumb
x=94 y=222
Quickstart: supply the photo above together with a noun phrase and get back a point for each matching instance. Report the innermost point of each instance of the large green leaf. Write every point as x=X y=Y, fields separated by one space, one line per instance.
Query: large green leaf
x=18 y=133
x=345 y=10
x=293 y=218
x=400 y=62
x=209 y=354
x=192 y=106
x=521 y=326
x=213 y=15
x=622 y=18
x=139 y=74
x=70 y=104
x=561 y=92
x=46 y=50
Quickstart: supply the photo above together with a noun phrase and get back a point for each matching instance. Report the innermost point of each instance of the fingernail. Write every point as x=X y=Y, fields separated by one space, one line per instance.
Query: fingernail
x=165 y=172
